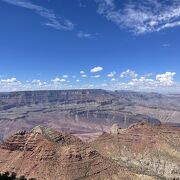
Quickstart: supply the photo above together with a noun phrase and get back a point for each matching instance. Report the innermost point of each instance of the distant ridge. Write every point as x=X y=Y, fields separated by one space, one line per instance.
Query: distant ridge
x=86 y=112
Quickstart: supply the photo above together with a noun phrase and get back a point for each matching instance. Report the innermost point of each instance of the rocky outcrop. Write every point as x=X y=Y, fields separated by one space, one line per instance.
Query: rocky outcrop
x=153 y=150
x=115 y=129
x=55 y=136
x=40 y=154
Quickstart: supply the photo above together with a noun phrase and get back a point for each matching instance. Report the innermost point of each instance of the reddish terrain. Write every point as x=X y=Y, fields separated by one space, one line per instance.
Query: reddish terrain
x=83 y=112
x=143 y=148
x=46 y=154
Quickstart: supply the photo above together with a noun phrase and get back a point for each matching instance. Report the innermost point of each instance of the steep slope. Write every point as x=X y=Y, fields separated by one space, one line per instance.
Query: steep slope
x=144 y=148
x=165 y=107
x=49 y=155
x=80 y=112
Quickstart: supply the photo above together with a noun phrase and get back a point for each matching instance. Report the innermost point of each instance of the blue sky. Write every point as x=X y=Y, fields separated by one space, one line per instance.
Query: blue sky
x=109 y=44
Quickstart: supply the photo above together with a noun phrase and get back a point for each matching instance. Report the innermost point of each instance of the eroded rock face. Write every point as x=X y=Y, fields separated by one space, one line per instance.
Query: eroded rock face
x=38 y=154
x=82 y=111
x=153 y=150
x=115 y=129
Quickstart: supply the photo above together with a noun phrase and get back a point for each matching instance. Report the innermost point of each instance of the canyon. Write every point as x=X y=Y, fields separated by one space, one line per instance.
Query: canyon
x=90 y=134
x=140 y=152
x=85 y=113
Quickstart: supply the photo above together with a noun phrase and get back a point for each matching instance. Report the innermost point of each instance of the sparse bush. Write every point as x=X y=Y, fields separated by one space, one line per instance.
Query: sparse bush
x=12 y=176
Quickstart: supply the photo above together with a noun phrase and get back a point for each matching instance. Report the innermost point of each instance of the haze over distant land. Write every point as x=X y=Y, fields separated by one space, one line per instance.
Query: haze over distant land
x=85 y=113
x=76 y=44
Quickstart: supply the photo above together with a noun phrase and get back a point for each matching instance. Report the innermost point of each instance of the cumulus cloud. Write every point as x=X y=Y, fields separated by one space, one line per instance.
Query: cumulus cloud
x=129 y=73
x=58 y=80
x=96 y=69
x=160 y=83
x=111 y=74
x=9 y=81
x=10 y=84
x=96 y=76
x=142 y=82
x=83 y=75
x=62 y=80
x=166 y=79
x=53 y=20
x=37 y=81
x=65 y=76
x=141 y=16
x=113 y=79
x=164 y=82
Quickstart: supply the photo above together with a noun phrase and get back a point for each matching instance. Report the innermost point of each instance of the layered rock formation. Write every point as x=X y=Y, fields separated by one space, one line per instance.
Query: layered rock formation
x=144 y=148
x=45 y=154
x=85 y=113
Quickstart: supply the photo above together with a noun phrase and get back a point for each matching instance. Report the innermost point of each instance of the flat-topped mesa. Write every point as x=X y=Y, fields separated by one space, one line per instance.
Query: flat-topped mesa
x=18 y=99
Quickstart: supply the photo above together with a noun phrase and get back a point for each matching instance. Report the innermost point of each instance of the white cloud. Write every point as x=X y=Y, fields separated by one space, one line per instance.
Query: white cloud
x=109 y=3
x=96 y=76
x=142 y=82
x=163 y=82
x=148 y=75
x=11 y=80
x=37 y=81
x=65 y=76
x=54 y=21
x=129 y=73
x=84 y=75
x=113 y=79
x=58 y=80
x=10 y=84
x=84 y=35
x=62 y=80
x=96 y=69
x=142 y=16
x=111 y=74
x=166 y=79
